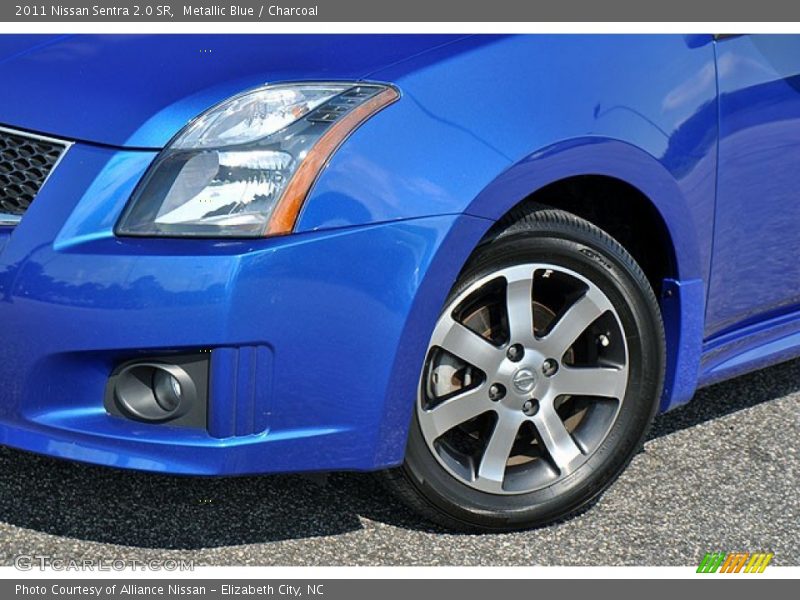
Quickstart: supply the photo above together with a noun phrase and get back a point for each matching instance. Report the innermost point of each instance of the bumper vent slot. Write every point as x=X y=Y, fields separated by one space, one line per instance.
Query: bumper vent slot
x=240 y=391
x=26 y=161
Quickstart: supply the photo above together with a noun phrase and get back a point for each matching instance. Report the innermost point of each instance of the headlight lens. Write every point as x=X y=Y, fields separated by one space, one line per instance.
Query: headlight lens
x=244 y=167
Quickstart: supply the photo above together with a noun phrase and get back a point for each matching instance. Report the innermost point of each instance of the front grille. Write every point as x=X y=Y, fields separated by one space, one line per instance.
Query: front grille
x=25 y=162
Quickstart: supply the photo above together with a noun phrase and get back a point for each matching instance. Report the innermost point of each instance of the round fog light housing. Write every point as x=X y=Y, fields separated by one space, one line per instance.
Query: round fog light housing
x=154 y=392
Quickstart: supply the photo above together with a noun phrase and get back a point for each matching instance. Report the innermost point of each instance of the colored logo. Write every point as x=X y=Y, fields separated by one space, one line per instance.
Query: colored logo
x=734 y=562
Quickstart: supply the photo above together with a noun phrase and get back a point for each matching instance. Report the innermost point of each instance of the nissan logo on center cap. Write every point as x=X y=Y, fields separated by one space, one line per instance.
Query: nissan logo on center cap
x=524 y=380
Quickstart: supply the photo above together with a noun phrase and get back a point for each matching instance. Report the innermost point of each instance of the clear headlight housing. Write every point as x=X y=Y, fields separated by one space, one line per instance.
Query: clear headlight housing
x=244 y=167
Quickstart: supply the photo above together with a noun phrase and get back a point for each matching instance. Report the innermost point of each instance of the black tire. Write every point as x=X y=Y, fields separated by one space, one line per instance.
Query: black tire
x=557 y=237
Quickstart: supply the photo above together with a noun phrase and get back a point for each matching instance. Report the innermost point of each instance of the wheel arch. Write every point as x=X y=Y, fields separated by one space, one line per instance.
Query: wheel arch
x=581 y=165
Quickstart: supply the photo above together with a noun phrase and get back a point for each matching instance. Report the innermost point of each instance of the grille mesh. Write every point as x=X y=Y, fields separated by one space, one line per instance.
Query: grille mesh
x=25 y=163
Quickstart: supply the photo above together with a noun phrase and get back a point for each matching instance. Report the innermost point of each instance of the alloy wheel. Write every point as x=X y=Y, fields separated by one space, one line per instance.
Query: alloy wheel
x=525 y=375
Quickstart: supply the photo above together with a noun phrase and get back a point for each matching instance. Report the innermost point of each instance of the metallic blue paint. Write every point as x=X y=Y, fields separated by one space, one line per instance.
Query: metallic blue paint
x=681 y=310
x=317 y=339
x=759 y=145
x=138 y=91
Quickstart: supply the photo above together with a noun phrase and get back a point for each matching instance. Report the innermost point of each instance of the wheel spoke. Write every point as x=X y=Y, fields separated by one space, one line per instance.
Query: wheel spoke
x=557 y=440
x=607 y=382
x=467 y=345
x=455 y=411
x=498 y=449
x=574 y=322
x=519 y=306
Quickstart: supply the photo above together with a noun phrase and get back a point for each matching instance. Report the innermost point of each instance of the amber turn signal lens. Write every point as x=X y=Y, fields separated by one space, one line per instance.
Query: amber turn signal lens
x=294 y=196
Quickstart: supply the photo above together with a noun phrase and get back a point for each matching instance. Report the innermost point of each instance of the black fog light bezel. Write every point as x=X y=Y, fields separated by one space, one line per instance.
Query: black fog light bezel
x=139 y=391
x=133 y=387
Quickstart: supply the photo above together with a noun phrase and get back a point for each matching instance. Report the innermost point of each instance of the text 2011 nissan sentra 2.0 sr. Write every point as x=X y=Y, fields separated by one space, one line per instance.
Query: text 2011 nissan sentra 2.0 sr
x=477 y=264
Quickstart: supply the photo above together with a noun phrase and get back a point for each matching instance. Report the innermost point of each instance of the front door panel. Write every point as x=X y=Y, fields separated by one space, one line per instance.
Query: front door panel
x=755 y=272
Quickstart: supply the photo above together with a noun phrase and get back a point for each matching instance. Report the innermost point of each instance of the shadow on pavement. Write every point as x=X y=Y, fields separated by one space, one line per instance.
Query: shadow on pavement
x=168 y=512
x=164 y=512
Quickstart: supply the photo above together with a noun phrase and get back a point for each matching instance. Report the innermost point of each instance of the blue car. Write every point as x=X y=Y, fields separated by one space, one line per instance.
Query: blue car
x=479 y=265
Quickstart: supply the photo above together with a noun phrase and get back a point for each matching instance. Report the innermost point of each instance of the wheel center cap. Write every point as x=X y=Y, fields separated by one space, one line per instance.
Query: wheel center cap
x=524 y=380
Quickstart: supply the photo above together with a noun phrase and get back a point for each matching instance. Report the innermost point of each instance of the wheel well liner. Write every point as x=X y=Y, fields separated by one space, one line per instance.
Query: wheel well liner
x=616 y=207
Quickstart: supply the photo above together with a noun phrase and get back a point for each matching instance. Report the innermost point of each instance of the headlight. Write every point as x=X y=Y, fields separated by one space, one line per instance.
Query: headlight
x=244 y=167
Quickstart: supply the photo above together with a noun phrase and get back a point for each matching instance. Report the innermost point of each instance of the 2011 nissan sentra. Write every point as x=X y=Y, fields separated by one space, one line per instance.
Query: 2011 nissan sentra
x=478 y=264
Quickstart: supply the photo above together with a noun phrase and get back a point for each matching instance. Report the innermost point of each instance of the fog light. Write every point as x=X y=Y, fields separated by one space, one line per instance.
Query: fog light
x=167 y=390
x=154 y=391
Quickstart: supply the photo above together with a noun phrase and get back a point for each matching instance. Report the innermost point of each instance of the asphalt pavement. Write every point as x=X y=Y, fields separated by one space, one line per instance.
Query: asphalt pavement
x=720 y=474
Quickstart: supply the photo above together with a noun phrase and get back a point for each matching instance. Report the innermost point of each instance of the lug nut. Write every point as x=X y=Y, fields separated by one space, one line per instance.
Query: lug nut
x=496 y=392
x=531 y=407
x=550 y=367
x=515 y=353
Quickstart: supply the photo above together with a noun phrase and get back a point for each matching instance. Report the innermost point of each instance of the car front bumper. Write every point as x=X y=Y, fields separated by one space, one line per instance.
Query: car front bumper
x=315 y=340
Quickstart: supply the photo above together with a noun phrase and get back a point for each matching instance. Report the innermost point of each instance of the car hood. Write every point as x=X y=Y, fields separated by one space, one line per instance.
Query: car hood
x=138 y=91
